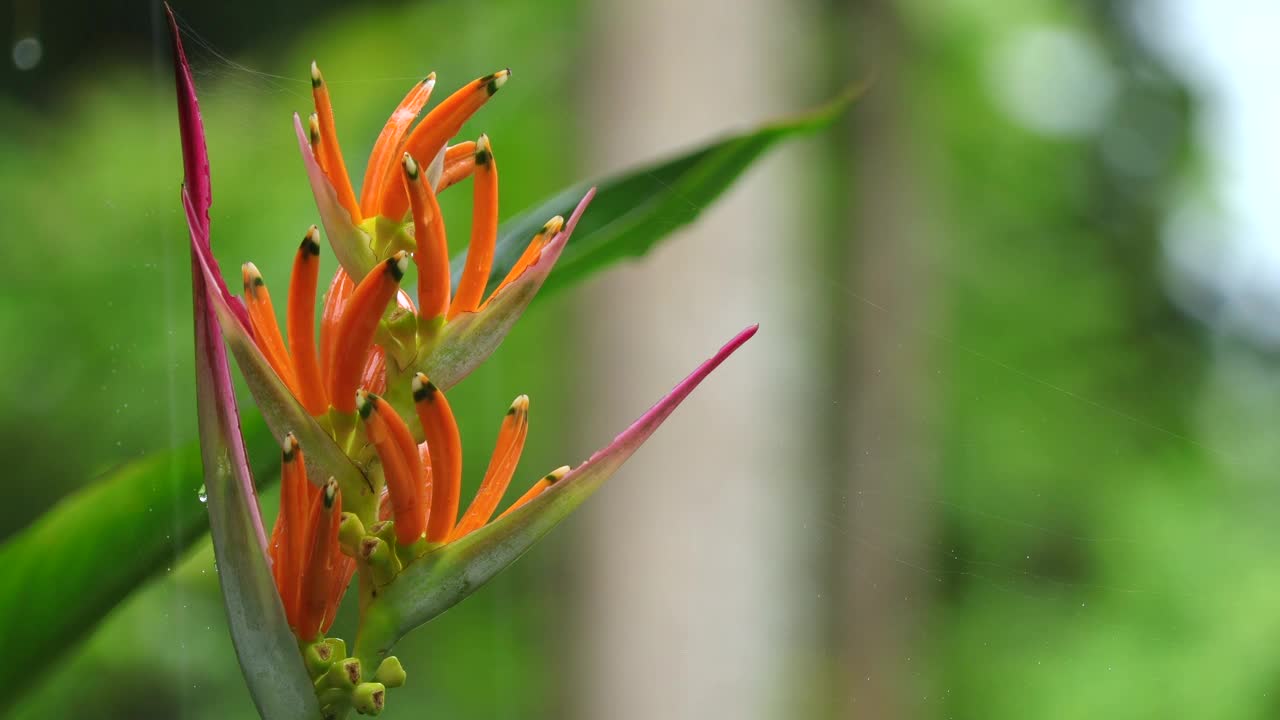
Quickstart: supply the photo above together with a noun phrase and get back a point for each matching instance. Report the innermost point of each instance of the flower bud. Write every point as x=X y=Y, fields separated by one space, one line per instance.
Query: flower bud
x=350 y=533
x=319 y=657
x=344 y=675
x=390 y=672
x=385 y=529
x=381 y=559
x=339 y=647
x=369 y=698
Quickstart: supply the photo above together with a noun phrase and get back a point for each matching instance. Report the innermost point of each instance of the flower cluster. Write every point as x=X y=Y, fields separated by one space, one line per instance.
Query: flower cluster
x=362 y=322
x=371 y=460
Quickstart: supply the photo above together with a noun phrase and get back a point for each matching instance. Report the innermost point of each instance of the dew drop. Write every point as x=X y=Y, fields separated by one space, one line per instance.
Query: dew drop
x=203 y=494
x=27 y=53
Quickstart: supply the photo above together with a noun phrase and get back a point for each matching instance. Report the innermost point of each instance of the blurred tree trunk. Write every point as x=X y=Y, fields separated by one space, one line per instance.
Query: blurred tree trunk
x=689 y=583
x=880 y=441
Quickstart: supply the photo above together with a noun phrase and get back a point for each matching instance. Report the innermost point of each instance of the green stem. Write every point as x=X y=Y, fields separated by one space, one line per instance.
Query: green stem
x=379 y=628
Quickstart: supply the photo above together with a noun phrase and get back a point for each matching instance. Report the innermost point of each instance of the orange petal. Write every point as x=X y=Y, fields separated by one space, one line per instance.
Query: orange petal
x=432 y=256
x=531 y=255
x=333 y=163
x=297 y=493
x=445 y=445
x=506 y=454
x=301 y=324
x=401 y=464
x=484 y=233
x=459 y=164
x=326 y=510
x=335 y=304
x=383 y=157
x=313 y=134
x=277 y=550
x=262 y=316
x=357 y=326
x=374 y=376
x=547 y=481
x=428 y=484
x=340 y=574
x=428 y=138
x=292 y=532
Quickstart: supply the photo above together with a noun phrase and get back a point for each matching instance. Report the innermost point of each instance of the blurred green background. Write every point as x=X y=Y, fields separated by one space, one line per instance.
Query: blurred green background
x=1007 y=454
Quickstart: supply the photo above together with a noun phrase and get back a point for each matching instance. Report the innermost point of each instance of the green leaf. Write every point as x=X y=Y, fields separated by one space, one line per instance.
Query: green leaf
x=68 y=569
x=269 y=658
x=634 y=210
x=265 y=646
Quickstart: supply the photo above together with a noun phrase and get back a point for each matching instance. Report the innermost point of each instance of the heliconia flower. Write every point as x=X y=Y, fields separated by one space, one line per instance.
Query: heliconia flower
x=371 y=453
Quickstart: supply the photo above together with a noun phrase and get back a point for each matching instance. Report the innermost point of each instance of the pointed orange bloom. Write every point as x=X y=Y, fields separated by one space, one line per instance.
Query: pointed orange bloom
x=445 y=448
x=423 y=482
x=459 y=164
x=506 y=455
x=302 y=324
x=329 y=150
x=335 y=306
x=262 y=316
x=385 y=151
x=442 y=466
x=484 y=232
x=316 y=608
x=430 y=136
x=432 y=257
x=531 y=254
x=402 y=466
x=355 y=331
x=536 y=489
x=310 y=572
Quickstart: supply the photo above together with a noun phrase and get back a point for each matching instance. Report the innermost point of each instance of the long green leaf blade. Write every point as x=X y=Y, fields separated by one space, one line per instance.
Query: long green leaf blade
x=268 y=653
x=269 y=657
x=638 y=208
x=67 y=570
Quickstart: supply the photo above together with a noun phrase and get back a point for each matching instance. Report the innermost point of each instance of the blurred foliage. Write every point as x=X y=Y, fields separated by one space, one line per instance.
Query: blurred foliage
x=1088 y=549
